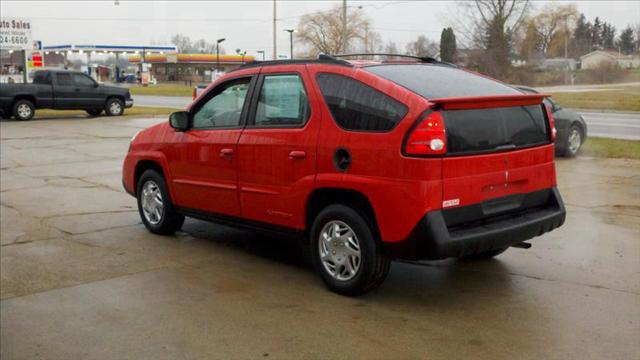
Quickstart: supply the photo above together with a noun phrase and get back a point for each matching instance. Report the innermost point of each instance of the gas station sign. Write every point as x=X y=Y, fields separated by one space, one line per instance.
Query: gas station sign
x=15 y=34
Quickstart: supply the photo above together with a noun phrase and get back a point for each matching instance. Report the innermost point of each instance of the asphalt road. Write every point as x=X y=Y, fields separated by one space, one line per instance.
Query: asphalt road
x=605 y=124
x=81 y=278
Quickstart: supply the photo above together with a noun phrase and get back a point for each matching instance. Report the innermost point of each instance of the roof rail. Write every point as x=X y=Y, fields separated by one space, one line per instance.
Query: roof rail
x=424 y=59
x=322 y=58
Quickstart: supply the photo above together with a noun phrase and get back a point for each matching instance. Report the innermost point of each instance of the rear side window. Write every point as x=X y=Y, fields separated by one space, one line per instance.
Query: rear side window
x=485 y=130
x=440 y=81
x=356 y=106
x=64 y=79
x=82 y=80
x=282 y=102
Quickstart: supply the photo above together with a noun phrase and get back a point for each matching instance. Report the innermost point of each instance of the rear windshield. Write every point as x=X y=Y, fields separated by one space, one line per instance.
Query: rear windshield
x=486 y=130
x=440 y=81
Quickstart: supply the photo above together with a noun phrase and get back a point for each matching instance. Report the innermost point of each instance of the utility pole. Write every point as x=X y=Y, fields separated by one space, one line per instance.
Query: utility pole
x=343 y=46
x=566 y=52
x=275 y=46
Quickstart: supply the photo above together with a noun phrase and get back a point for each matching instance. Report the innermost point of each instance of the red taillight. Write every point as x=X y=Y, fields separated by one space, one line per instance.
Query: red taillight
x=195 y=93
x=552 y=123
x=428 y=137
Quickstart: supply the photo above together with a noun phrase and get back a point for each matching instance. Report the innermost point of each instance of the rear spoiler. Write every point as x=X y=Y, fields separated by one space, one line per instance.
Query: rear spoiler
x=486 y=102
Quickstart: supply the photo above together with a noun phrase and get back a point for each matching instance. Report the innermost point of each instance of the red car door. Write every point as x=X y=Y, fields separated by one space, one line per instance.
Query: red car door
x=277 y=149
x=203 y=160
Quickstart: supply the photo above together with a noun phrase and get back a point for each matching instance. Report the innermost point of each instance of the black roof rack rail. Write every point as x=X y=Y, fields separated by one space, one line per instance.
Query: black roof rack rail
x=424 y=59
x=322 y=59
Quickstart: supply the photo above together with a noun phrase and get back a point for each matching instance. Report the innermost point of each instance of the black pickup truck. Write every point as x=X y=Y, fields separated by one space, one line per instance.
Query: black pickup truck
x=62 y=89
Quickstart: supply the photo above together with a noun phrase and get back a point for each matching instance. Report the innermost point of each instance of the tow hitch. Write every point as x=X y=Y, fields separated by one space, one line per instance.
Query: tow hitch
x=521 y=245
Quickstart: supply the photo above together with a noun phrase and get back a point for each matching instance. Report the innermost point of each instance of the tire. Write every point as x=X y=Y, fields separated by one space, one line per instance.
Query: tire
x=23 y=110
x=94 y=112
x=573 y=141
x=343 y=277
x=114 y=107
x=169 y=220
x=485 y=255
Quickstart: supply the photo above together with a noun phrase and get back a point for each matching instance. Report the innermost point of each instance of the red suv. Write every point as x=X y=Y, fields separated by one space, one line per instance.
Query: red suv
x=368 y=161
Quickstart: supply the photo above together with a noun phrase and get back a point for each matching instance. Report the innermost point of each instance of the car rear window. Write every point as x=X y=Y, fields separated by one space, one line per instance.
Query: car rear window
x=434 y=81
x=486 y=130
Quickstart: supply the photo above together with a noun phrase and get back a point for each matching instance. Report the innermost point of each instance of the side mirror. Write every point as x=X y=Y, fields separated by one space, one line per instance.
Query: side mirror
x=179 y=120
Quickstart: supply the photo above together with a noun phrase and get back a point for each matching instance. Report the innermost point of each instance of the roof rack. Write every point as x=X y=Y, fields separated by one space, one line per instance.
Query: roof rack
x=423 y=59
x=322 y=58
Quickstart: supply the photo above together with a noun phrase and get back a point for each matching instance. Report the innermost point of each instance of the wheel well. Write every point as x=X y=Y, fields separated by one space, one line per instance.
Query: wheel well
x=119 y=97
x=24 y=97
x=324 y=197
x=143 y=166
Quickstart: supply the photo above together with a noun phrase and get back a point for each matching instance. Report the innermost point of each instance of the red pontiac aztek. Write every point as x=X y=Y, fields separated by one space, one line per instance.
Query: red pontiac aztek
x=369 y=161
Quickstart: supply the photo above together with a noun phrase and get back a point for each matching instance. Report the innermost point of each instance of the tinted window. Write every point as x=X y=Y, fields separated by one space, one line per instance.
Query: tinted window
x=82 y=80
x=481 y=130
x=356 y=106
x=64 y=79
x=41 y=77
x=283 y=101
x=440 y=81
x=224 y=108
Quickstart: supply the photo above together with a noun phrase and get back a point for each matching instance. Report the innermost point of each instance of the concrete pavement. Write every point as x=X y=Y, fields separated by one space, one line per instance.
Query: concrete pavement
x=82 y=279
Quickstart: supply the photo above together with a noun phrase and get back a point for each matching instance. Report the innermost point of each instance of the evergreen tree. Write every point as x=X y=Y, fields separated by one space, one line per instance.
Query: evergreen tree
x=625 y=42
x=448 y=45
x=608 y=36
x=596 y=34
x=581 y=41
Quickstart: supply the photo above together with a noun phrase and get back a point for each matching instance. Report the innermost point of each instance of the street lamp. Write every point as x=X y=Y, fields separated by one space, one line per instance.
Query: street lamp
x=290 y=31
x=261 y=52
x=218 y=53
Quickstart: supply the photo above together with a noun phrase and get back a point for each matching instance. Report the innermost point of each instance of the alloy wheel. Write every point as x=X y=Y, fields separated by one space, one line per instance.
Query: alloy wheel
x=152 y=203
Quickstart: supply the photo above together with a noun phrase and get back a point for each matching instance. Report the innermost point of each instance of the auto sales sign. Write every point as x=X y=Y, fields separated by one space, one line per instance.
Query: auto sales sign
x=15 y=34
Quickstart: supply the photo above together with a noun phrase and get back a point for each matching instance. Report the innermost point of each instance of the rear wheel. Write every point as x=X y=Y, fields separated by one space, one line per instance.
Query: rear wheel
x=346 y=252
x=154 y=205
x=485 y=255
x=573 y=142
x=114 y=107
x=23 y=110
x=94 y=112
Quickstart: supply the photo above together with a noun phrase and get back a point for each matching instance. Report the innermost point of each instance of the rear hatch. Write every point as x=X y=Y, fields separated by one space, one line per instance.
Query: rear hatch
x=494 y=141
x=495 y=147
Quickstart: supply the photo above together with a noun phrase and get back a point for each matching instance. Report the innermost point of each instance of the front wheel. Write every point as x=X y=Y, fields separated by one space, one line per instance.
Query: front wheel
x=114 y=107
x=346 y=252
x=23 y=110
x=154 y=205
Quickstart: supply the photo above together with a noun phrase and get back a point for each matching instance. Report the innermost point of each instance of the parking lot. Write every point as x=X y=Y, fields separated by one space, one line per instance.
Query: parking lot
x=81 y=278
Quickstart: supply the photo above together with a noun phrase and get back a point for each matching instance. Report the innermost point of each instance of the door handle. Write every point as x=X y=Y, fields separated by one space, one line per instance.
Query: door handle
x=226 y=152
x=297 y=154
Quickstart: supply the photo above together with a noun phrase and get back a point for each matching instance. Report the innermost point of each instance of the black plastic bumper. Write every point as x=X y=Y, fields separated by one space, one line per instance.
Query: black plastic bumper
x=473 y=229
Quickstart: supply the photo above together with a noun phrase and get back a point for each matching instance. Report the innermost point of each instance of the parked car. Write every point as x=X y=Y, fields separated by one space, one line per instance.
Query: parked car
x=571 y=127
x=62 y=89
x=368 y=162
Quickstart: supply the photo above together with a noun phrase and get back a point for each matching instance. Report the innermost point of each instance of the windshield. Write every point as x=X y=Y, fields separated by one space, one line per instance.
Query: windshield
x=440 y=81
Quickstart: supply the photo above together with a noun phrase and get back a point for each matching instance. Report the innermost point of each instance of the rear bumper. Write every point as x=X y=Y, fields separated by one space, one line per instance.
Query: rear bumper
x=493 y=224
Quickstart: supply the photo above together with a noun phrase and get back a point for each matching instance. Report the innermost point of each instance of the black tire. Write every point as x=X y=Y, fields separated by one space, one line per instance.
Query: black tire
x=23 y=110
x=94 y=112
x=114 y=107
x=568 y=150
x=374 y=265
x=170 y=220
x=485 y=255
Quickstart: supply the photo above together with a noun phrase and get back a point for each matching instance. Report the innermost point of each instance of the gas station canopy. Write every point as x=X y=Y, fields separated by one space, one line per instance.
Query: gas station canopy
x=114 y=49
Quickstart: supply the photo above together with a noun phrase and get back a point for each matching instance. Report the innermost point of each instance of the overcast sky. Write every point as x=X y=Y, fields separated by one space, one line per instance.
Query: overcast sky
x=245 y=24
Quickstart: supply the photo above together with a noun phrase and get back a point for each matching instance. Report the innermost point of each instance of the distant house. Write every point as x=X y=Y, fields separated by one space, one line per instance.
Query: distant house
x=595 y=58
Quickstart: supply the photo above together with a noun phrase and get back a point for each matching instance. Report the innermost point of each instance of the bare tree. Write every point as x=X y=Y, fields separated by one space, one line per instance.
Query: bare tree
x=554 y=22
x=422 y=47
x=182 y=42
x=492 y=26
x=322 y=32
